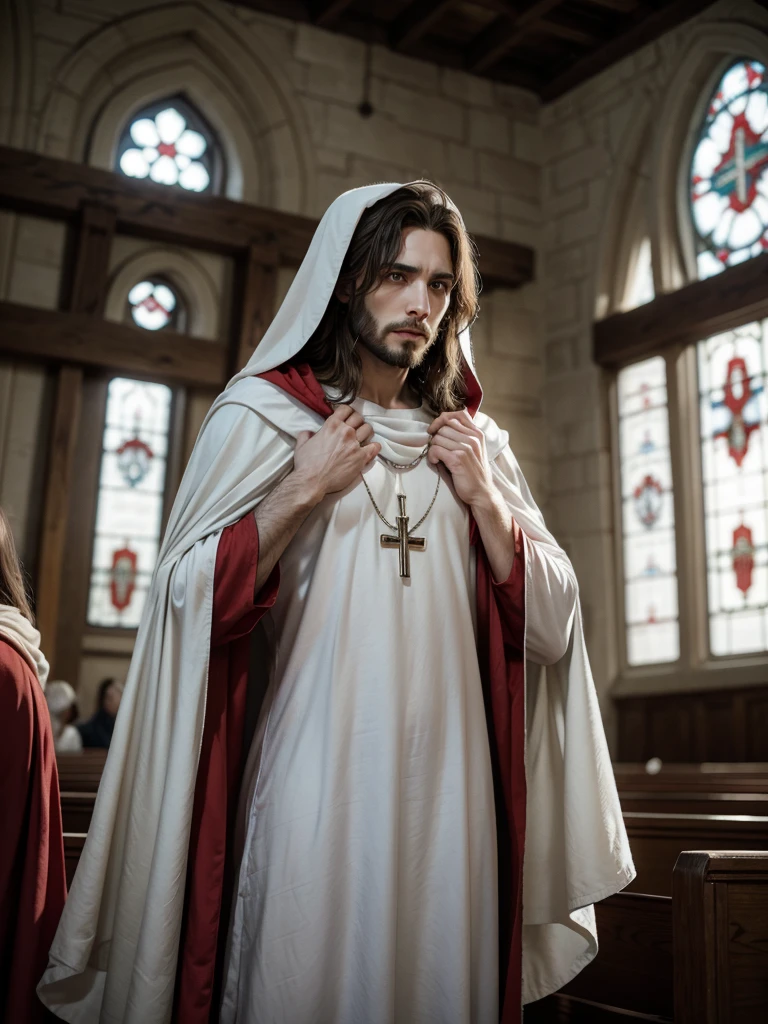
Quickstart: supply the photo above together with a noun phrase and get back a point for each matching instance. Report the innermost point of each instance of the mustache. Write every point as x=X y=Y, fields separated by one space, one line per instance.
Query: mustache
x=408 y=325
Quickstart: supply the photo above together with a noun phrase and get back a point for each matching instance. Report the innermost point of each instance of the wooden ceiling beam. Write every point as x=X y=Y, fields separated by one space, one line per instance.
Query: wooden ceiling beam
x=640 y=34
x=44 y=186
x=622 y=6
x=327 y=13
x=504 y=33
x=77 y=338
x=570 y=33
x=416 y=21
x=695 y=312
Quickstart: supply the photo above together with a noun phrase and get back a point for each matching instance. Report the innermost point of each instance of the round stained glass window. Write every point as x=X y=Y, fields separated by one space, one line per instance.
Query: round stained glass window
x=171 y=144
x=155 y=305
x=729 y=172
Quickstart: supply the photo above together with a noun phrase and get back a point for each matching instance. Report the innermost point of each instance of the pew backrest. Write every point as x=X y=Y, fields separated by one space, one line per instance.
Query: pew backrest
x=657 y=839
x=720 y=934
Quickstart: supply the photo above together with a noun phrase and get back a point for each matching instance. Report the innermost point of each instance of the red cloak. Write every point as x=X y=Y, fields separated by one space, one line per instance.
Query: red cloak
x=236 y=610
x=33 y=885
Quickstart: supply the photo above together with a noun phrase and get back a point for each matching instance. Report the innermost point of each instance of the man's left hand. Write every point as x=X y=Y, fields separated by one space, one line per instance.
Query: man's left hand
x=460 y=446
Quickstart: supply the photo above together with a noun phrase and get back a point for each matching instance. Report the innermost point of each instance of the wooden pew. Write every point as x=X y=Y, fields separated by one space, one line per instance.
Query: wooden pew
x=720 y=926
x=73 y=847
x=79 y=777
x=76 y=810
x=656 y=840
x=699 y=957
x=81 y=773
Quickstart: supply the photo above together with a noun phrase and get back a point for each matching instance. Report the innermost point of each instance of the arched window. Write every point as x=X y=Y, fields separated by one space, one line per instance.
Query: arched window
x=170 y=142
x=729 y=171
x=155 y=304
x=692 y=423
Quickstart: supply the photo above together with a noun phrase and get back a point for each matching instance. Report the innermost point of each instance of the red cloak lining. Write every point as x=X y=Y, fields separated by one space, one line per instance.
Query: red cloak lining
x=501 y=629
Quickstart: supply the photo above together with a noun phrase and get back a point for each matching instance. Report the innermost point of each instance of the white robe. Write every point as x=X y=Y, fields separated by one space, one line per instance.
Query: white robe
x=367 y=887
x=116 y=949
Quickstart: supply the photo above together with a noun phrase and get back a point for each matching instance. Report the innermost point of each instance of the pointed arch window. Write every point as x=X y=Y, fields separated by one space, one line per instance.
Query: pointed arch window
x=729 y=171
x=171 y=143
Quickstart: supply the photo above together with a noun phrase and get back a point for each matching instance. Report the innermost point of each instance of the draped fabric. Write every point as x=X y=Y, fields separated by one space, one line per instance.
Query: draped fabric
x=32 y=877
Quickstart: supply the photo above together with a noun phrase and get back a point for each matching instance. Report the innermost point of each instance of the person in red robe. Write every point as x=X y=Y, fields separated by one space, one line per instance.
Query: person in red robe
x=33 y=884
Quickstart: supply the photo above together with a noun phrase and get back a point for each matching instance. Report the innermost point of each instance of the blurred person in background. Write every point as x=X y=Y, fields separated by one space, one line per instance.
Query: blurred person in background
x=97 y=731
x=62 y=704
x=33 y=884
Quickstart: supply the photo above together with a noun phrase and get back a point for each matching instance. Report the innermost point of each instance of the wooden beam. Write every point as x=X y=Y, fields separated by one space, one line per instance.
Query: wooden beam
x=735 y=297
x=85 y=294
x=255 y=298
x=327 y=12
x=415 y=21
x=570 y=32
x=640 y=34
x=90 y=267
x=31 y=183
x=504 y=33
x=61 y=460
x=503 y=262
x=76 y=338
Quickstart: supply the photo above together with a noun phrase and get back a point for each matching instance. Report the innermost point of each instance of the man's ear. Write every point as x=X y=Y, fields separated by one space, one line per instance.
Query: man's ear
x=343 y=291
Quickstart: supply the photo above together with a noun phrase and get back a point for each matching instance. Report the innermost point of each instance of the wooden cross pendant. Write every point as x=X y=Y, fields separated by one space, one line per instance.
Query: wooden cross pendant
x=403 y=541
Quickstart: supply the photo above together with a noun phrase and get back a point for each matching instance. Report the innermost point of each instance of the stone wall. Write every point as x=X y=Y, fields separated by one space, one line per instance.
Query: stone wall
x=77 y=70
x=283 y=99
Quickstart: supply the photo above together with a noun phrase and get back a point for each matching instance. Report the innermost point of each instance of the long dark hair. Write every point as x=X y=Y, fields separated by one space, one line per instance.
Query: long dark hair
x=375 y=245
x=11 y=577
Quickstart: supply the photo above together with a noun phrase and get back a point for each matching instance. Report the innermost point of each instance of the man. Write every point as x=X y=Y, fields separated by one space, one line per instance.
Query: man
x=346 y=488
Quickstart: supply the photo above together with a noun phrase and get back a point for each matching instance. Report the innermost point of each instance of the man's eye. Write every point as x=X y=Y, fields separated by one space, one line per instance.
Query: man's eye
x=395 y=275
x=441 y=285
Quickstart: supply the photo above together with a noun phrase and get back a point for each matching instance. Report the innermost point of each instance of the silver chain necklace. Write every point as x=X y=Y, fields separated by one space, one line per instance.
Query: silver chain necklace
x=386 y=522
x=408 y=465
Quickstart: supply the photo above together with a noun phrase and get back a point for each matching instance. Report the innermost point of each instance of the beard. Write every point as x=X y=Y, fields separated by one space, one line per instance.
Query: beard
x=407 y=354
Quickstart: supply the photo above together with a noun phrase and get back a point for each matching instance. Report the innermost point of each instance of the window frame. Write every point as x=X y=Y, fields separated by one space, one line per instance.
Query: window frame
x=197 y=121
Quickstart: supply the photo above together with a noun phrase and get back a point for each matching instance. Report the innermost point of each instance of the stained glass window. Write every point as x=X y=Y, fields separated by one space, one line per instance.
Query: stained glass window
x=155 y=304
x=171 y=143
x=650 y=564
x=734 y=452
x=729 y=171
x=130 y=501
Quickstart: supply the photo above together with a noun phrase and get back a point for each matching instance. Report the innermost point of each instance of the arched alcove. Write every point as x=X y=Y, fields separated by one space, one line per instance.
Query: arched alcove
x=196 y=285
x=626 y=221
x=155 y=53
x=16 y=71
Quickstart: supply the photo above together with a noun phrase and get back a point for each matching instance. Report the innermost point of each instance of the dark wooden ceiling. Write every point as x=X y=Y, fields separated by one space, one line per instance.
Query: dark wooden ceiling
x=548 y=46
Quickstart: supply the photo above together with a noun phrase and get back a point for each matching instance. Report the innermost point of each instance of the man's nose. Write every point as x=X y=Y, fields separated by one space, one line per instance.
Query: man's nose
x=418 y=300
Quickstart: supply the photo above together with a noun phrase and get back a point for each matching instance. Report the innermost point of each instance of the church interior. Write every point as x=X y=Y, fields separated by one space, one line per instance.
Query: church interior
x=163 y=167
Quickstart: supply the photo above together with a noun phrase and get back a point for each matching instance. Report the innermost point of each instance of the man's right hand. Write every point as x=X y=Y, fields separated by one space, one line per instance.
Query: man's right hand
x=330 y=459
